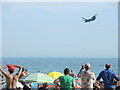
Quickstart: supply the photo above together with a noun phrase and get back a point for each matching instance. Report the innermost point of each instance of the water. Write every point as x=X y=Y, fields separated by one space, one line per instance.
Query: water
x=46 y=65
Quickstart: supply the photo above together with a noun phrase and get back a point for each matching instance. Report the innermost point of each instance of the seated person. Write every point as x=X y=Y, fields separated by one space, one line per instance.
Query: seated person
x=45 y=87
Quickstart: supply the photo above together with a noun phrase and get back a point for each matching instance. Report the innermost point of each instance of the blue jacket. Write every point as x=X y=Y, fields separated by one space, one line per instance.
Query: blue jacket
x=108 y=78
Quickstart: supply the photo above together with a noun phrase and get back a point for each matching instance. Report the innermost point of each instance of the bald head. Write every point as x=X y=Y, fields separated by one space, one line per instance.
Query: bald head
x=107 y=66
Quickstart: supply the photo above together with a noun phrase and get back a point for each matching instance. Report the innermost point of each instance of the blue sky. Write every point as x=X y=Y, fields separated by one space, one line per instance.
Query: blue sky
x=56 y=29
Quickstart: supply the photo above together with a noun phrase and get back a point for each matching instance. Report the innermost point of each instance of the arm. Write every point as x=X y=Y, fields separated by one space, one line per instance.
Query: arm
x=4 y=72
x=97 y=80
x=117 y=78
x=100 y=76
x=56 y=81
x=73 y=85
x=20 y=70
x=79 y=74
x=18 y=66
x=94 y=78
x=96 y=84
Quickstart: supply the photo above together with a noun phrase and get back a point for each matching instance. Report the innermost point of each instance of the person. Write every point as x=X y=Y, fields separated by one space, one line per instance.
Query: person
x=57 y=87
x=0 y=81
x=73 y=74
x=26 y=71
x=66 y=81
x=22 y=73
x=38 y=71
x=88 y=78
x=108 y=77
x=45 y=87
x=11 y=79
x=27 y=86
x=117 y=83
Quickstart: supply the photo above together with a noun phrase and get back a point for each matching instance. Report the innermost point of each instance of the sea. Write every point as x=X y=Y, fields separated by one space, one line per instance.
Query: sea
x=46 y=65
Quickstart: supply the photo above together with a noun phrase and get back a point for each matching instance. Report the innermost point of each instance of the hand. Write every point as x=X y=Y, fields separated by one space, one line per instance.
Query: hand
x=8 y=65
x=98 y=87
x=83 y=66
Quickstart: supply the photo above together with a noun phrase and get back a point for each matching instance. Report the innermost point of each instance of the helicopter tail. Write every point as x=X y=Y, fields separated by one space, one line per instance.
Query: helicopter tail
x=83 y=18
x=96 y=14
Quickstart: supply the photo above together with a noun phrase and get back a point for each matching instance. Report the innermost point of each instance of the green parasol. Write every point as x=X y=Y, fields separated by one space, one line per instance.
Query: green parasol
x=37 y=77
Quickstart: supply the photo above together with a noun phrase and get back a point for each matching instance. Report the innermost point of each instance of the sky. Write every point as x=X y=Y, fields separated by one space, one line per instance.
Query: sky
x=56 y=29
x=59 y=0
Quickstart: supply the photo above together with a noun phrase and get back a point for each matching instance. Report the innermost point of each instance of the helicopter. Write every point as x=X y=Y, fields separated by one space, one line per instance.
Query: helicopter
x=89 y=20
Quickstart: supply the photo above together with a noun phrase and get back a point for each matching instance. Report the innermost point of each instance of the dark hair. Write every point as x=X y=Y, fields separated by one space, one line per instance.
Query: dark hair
x=107 y=66
x=26 y=70
x=23 y=69
x=66 y=71
x=11 y=71
x=87 y=68
x=45 y=85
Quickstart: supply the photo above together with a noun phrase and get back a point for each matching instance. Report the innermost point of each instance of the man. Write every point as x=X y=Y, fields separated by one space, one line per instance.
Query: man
x=66 y=81
x=11 y=79
x=108 y=78
x=88 y=78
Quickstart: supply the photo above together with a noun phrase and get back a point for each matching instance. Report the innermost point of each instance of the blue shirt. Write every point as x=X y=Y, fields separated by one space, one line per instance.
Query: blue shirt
x=108 y=78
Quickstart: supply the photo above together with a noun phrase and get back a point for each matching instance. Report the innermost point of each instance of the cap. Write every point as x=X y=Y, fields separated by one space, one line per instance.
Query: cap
x=87 y=65
x=11 y=68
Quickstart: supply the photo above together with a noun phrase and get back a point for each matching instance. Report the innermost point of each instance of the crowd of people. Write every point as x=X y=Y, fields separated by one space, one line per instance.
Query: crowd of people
x=88 y=81
x=66 y=82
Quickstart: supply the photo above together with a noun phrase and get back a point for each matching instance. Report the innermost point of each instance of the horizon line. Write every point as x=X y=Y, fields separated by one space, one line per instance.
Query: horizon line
x=58 y=57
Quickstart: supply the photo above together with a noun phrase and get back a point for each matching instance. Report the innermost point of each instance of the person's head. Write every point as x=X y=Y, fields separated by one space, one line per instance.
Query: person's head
x=66 y=71
x=87 y=66
x=72 y=71
x=23 y=69
x=107 y=66
x=11 y=69
x=45 y=85
x=26 y=70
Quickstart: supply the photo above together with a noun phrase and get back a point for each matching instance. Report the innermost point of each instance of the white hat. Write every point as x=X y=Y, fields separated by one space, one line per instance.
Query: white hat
x=87 y=65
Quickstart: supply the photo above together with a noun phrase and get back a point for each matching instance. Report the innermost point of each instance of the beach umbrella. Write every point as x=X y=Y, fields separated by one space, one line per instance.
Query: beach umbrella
x=55 y=75
x=37 y=77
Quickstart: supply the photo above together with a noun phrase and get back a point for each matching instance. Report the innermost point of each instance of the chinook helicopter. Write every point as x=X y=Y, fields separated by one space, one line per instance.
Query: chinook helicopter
x=89 y=20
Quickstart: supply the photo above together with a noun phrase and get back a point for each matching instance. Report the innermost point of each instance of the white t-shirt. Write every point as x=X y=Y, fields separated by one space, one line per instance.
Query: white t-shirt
x=87 y=79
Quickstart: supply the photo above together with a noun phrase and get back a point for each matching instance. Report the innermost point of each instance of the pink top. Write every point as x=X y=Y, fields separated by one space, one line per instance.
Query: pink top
x=88 y=78
x=73 y=75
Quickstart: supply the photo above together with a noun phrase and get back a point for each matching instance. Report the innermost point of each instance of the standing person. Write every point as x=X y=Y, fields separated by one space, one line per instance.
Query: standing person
x=66 y=81
x=73 y=74
x=88 y=78
x=22 y=73
x=26 y=71
x=11 y=79
x=108 y=77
